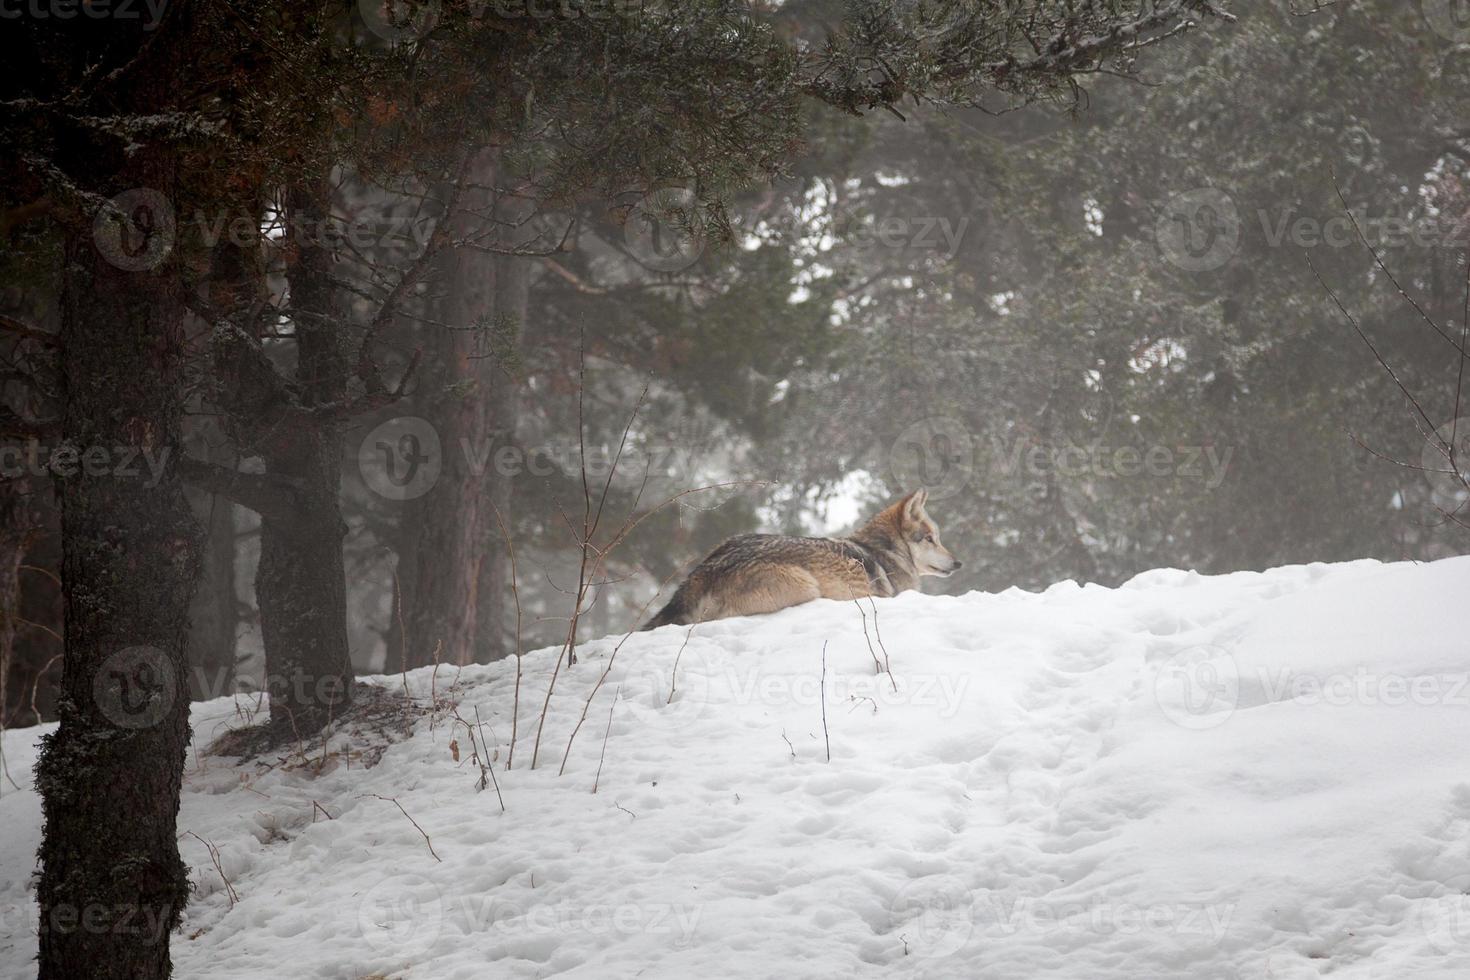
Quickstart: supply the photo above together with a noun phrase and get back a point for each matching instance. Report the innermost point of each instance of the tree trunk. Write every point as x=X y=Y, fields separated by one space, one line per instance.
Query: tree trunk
x=511 y=302
x=112 y=884
x=405 y=545
x=455 y=606
x=18 y=528
x=301 y=582
x=214 y=616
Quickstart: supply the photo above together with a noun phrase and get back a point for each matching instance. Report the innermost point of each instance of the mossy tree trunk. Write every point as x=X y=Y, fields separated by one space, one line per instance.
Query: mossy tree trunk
x=112 y=883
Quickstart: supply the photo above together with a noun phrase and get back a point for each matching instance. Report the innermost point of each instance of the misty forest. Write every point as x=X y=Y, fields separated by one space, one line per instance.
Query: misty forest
x=1075 y=385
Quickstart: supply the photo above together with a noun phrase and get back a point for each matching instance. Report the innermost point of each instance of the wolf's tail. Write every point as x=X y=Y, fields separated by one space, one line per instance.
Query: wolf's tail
x=675 y=613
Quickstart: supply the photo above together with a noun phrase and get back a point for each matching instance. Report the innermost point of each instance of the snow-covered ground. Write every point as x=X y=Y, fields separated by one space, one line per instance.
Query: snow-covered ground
x=1251 y=775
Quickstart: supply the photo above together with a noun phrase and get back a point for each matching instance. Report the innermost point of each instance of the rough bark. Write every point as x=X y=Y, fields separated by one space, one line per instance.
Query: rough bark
x=17 y=529
x=112 y=884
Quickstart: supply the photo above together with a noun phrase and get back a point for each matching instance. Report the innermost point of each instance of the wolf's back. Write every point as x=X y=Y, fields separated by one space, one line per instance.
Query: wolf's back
x=728 y=569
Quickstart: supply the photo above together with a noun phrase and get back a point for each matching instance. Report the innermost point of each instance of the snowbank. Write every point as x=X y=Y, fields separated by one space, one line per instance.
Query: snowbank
x=1251 y=775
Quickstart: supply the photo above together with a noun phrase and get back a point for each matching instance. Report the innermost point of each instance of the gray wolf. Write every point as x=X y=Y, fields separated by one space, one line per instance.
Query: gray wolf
x=761 y=573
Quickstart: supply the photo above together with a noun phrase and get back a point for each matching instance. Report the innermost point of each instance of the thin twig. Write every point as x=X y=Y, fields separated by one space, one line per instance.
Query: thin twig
x=826 y=737
x=489 y=764
x=674 y=677
x=215 y=858
x=394 y=801
x=605 y=732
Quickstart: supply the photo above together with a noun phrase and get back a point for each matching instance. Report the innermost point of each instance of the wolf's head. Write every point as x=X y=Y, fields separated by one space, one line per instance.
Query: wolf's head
x=907 y=532
x=921 y=535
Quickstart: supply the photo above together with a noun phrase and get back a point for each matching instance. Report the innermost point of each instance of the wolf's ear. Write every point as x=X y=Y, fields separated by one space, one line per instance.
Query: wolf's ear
x=913 y=504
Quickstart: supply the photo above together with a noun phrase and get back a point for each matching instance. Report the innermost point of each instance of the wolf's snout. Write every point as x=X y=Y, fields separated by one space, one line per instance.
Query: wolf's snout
x=949 y=567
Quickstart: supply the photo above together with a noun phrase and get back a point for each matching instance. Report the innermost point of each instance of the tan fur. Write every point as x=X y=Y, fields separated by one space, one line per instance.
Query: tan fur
x=752 y=574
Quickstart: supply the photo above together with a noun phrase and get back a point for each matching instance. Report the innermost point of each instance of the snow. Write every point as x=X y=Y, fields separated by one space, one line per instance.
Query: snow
x=1248 y=775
